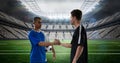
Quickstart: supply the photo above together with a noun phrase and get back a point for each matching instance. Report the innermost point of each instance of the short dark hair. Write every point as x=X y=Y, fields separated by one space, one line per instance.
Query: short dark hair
x=35 y=18
x=77 y=13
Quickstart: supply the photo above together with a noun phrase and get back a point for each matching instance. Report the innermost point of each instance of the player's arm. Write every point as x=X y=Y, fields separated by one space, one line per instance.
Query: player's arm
x=54 y=54
x=53 y=50
x=78 y=53
x=67 y=45
x=48 y=43
x=56 y=42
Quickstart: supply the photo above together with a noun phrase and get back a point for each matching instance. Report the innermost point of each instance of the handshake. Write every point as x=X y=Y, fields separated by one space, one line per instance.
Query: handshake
x=56 y=42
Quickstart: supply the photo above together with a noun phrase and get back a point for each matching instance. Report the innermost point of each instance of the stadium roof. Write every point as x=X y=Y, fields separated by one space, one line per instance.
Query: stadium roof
x=58 y=9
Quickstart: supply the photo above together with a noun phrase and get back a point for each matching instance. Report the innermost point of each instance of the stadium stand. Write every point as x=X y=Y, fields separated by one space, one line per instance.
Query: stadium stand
x=60 y=35
x=11 y=19
x=44 y=27
x=6 y=34
x=63 y=27
x=113 y=33
x=105 y=33
x=56 y=27
x=104 y=20
x=52 y=35
x=69 y=27
x=67 y=35
x=105 y=28
x=50 y=27
x=15 y=33
x=21 y=32
x=28 y=25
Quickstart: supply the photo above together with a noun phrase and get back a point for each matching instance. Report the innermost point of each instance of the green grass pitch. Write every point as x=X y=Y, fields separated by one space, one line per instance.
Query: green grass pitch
x=99 y=51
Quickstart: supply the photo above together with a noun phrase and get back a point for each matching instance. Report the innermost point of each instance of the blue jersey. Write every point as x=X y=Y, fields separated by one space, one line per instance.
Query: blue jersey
x=38 y=54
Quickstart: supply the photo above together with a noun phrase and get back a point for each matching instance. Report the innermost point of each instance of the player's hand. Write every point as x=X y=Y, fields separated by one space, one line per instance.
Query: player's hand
x=57 y=42
x=74 y=61
x=54 y=56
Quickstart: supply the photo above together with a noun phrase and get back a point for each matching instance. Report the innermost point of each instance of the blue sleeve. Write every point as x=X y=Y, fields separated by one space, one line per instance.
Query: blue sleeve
x=33 y=40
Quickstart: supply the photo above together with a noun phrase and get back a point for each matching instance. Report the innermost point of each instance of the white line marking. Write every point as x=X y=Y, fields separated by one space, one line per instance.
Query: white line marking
x=104 y=53
x=104 y=50
x=60 y=50
x=14 y=50
x=62 y=53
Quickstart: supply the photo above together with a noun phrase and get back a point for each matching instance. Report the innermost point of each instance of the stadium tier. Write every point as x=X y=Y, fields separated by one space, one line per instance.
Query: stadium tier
x=12 y=33
x=95 y=30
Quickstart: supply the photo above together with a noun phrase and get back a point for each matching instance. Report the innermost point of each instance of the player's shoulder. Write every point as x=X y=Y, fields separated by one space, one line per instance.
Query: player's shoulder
x=31 y=32
x=80 y=27
x=42 y=31
x=83 y=28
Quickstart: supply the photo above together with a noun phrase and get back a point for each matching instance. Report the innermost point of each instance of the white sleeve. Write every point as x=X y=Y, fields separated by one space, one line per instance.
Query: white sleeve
x=46 y=37
x=79 y=39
